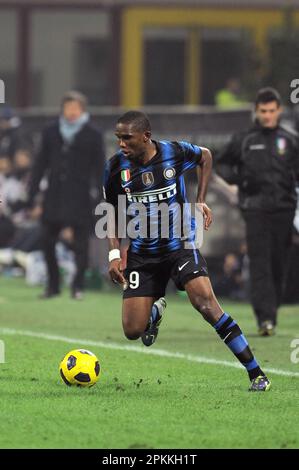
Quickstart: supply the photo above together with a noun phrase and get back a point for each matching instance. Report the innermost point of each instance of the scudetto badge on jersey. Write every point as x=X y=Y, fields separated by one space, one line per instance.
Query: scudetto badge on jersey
x=125 y=175
x=281 y=145
x=147 y=178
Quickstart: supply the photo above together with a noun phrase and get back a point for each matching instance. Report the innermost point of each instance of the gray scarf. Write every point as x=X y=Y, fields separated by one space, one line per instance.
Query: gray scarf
x=69 y=130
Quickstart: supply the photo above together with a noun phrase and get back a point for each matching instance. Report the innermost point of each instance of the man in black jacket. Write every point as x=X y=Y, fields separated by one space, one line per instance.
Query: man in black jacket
x=264 y=162
x=72 y=158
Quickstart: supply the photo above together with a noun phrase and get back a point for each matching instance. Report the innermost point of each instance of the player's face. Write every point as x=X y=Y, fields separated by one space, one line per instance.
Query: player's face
x=131 y=142
x=268 y=114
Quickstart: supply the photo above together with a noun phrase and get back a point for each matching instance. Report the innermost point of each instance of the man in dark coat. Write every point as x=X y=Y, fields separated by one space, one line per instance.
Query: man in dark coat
x=264 y=162
x=72 y=158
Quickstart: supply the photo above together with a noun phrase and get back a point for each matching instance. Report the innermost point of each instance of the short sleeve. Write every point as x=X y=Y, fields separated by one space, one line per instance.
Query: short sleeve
x=110 y=190
x=192 y=155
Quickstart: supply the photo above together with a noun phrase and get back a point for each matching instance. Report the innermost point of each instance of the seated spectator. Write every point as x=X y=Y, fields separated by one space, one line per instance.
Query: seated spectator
x=229 y=97
x=11 y=136
x=7 y=229
x=14 y=187
x=235 y=276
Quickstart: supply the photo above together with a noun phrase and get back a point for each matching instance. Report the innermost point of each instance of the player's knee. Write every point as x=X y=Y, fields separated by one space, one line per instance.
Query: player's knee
x=204 y=304
x=131 y=335
x=132 y=332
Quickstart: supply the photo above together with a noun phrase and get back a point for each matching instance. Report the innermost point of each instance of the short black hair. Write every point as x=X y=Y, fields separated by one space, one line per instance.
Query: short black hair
x=267 y=95
x=140 y=121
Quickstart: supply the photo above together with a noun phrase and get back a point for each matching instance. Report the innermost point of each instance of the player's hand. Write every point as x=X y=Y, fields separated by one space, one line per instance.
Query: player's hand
x=116 y=272
x=207 y=214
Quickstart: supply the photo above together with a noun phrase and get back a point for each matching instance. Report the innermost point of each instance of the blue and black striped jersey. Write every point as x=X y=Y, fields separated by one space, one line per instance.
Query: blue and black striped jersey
x=159 y=181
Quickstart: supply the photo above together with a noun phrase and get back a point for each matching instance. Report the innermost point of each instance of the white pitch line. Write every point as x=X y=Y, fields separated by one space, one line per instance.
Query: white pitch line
x=138 y=349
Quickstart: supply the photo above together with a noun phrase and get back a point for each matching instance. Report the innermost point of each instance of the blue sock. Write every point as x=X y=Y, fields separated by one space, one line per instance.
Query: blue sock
x=230 y=333
x=154 y=313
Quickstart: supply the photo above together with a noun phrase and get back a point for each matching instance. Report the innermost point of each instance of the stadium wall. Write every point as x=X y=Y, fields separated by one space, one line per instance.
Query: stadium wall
x=126 y=24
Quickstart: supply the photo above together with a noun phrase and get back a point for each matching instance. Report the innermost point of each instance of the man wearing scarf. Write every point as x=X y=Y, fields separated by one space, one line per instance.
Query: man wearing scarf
x=72 y=158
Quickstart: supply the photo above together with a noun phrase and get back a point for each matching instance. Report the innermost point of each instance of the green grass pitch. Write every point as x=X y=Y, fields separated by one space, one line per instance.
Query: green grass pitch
x=146 y=398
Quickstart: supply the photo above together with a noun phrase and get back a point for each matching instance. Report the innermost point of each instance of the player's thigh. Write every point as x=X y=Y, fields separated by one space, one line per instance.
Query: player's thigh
x=146 y=280
x=188 y=264
x=136 y=312
x=202 y=297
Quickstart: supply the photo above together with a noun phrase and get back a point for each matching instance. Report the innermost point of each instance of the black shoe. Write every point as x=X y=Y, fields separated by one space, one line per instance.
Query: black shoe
x=260 y=384
x=150 y=335
x=48 y=294
x=266 y=328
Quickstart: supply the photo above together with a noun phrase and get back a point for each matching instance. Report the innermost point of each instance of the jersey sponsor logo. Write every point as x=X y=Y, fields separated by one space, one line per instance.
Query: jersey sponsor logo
x=147 y=178
x=149 y=215
x=169 y=173
x=155 y=195
x=281 y=145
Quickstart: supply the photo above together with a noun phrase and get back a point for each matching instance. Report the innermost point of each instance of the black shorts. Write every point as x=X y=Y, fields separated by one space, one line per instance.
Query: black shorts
x=148 y=276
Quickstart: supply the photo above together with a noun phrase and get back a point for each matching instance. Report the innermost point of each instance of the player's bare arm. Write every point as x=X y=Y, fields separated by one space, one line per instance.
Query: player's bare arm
x=204 y=171
x=115 y=262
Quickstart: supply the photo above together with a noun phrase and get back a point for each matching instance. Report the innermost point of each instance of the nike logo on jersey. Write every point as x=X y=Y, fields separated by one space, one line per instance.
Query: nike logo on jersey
x=181 y=267
x=124 y=185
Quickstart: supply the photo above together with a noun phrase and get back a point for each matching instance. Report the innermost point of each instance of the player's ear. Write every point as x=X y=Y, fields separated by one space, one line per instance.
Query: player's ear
x=147 y=136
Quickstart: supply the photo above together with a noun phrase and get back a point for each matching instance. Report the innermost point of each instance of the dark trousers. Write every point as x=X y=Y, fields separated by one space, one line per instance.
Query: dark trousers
x=268 y=238
x=50 y=233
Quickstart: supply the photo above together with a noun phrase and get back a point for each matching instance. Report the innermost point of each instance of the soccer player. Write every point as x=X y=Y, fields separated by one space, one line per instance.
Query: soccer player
x=147 y=172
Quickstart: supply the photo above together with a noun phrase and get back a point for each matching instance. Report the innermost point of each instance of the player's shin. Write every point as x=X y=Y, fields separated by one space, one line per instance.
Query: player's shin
x=231 y=334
